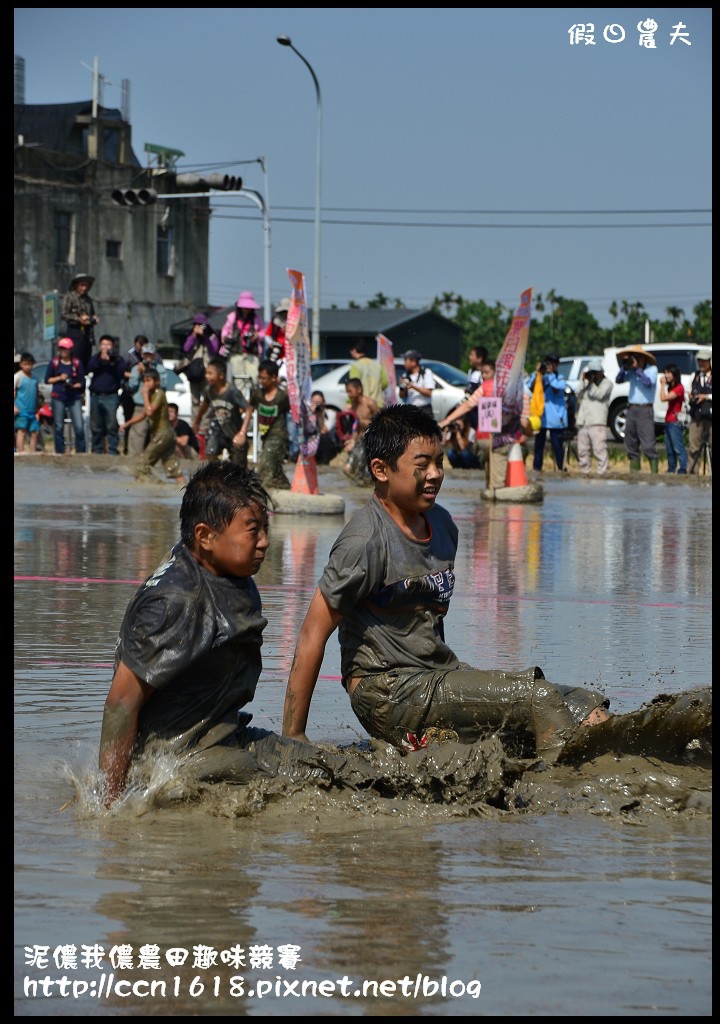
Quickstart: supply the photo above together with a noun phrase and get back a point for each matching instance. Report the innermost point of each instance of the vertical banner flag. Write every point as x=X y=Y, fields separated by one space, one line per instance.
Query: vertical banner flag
x=510 y=363
x=50 y=317
x=386 y=358
x=297 y=361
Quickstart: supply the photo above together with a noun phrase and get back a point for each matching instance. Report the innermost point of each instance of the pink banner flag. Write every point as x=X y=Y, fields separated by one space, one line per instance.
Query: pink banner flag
x=510 y=363
x=297 y=362
x=386 y=358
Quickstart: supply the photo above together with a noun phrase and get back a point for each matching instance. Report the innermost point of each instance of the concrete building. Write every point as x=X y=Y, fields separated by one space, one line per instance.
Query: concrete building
x=150 y=262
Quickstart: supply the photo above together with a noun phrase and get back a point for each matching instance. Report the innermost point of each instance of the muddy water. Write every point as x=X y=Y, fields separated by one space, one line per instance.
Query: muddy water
x=466 y=887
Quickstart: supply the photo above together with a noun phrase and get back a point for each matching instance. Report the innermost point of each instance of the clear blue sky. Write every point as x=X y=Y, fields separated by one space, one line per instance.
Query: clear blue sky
x=427 y=117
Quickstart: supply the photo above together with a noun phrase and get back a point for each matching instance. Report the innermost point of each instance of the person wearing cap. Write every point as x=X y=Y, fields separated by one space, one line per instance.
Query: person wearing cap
x=371 y=374
x=700 y=429
x=591 y=419
x=201 y=345
x=78 y=312
x=637 y=366
x=67 y=375
x=554 y=420
x=26 y=405
x=139 y=433
x=417 y=384
x=240 y=341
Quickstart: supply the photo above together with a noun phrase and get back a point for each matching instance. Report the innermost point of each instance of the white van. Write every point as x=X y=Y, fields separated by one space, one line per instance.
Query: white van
x=683 y=355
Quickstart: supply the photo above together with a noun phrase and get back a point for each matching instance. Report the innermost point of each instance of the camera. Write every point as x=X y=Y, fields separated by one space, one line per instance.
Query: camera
x=404 y=381
x=543 y=368
x=627 y=363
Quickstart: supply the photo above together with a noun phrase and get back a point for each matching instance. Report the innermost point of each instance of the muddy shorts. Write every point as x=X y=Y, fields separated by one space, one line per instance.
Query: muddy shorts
x=250 y=752
x=471 y=702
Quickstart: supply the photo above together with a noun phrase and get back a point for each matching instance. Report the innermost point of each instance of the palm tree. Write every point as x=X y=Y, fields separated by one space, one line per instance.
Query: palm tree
x=676 y=315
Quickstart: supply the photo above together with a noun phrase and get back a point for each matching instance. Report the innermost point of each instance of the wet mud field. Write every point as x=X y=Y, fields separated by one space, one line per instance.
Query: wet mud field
x=455 y=881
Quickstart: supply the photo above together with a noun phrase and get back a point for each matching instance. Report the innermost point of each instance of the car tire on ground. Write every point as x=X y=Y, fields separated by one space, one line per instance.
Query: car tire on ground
x=617 y=419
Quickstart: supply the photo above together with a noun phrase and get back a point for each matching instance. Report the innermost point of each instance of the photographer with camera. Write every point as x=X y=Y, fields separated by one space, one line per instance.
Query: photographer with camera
x=108 y=376
x=459 y=449
x=416 y=384
x=199 y=347
x=700 y=430
x=591 y=419
x=637 y=366
x=66 y=374
x=554 y=420
x=240 y=341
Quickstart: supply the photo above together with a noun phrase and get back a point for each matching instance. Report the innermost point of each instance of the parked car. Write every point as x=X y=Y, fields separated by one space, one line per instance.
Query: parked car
x=683 y=354
x=178 y=389
x=331 y=375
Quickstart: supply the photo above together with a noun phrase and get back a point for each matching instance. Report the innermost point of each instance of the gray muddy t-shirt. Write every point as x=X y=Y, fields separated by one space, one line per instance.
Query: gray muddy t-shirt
x=195 y=638
x=392 y=592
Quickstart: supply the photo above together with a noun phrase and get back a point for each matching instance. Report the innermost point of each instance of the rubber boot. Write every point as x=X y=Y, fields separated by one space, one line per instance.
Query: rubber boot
x=634 y=465
x=653 y=465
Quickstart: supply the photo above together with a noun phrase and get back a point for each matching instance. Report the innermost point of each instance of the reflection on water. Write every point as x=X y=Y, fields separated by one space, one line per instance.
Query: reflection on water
x=609 y=586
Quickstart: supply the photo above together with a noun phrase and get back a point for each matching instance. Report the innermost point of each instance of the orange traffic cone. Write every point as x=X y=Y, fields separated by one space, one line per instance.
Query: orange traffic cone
x=516 y=475
x=305 y=480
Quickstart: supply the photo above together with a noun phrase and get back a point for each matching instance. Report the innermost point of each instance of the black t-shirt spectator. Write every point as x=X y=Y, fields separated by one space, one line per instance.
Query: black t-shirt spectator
x=182 y=427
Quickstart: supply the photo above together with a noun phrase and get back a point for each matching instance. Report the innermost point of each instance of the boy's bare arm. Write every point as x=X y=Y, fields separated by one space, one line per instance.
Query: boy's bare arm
x=320 y=622
x=127 y=695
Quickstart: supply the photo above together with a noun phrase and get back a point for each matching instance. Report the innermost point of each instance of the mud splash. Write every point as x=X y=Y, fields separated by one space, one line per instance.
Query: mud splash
x=444 y=780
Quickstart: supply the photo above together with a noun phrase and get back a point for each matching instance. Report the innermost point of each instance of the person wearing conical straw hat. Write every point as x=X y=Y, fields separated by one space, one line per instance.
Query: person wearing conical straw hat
x=637 y=367
x=78 y=312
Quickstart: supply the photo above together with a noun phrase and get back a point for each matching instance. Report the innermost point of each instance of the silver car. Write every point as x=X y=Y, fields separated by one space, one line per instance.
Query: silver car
x=331 y=375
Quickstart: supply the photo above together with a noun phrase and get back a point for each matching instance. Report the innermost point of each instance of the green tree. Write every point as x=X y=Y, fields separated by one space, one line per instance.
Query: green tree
x=702 y=327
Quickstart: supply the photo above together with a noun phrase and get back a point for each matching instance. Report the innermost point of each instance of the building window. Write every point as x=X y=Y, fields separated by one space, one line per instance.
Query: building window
x=165 y=251
x=111 y=145
x=63 y=236
x=113 y=249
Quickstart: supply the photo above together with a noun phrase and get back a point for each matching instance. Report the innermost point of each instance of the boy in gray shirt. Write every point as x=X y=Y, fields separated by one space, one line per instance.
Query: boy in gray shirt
x=387 y=587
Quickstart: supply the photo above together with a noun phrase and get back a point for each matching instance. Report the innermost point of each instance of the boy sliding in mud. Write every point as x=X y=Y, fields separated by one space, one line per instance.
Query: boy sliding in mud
x=387 y=586
x=188 y=655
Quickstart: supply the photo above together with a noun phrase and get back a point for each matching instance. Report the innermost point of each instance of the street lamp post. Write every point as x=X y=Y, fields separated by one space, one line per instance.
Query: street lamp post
x=315 y=339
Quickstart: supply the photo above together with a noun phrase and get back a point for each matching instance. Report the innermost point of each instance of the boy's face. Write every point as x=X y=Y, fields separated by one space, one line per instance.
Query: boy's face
x=415 y=484
x=26 y=366
x=213 y=376
x=238 y=550
x=353 y=392
x=266 y=380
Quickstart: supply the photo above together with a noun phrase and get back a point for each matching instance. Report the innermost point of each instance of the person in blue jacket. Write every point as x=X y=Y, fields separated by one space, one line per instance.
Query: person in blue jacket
x=555 y=415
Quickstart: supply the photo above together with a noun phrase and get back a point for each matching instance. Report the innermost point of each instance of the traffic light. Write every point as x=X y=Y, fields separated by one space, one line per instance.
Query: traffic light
x=203 y=182
x=134 y=196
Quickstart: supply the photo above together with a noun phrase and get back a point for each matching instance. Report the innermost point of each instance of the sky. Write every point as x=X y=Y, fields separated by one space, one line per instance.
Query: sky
x=475 y=151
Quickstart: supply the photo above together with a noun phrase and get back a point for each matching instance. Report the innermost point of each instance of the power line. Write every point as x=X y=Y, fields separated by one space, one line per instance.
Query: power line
x=429 y=224
x=465 y=213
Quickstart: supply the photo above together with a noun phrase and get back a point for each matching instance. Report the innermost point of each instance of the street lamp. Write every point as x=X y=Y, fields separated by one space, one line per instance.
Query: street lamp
x=315 y=341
